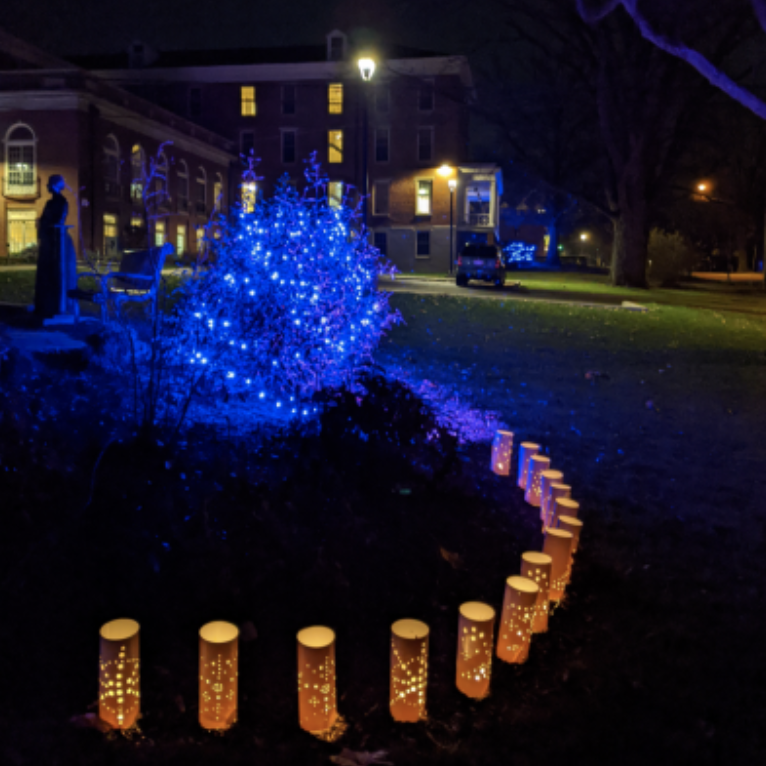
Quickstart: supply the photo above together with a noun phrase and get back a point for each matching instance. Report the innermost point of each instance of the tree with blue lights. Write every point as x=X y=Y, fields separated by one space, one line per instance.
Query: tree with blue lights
x=286 y=302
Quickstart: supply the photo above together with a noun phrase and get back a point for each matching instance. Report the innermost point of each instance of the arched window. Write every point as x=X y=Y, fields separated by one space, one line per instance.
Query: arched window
x=20 y=161
x=183 y=186
x=137 y=173
x=161 y=179
x=218 y=192
x=201 y=195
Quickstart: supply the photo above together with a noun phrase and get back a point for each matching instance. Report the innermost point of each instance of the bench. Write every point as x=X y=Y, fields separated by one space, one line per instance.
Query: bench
x=136 y=280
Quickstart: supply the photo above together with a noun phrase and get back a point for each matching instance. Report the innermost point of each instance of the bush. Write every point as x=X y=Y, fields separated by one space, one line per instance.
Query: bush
x=670 y=257
x=286 y=303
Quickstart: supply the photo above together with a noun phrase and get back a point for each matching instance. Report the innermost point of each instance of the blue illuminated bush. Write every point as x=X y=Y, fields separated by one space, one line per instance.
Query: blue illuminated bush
x=287 y=302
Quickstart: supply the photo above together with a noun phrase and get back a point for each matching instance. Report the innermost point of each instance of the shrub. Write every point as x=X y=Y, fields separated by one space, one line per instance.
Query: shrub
x=670 y=256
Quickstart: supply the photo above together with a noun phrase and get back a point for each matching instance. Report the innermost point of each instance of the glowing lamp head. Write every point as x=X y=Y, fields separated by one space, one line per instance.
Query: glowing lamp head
x=584 y=236
x=366 y=68
x=452 y=183
x=445 y=171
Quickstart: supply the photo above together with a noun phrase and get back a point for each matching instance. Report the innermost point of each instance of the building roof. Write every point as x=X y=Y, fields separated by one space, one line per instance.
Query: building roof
x=299 y=54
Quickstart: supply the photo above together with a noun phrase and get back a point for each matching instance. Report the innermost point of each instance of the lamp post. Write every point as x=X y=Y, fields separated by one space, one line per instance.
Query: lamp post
x=366 y=70
x=452 y=186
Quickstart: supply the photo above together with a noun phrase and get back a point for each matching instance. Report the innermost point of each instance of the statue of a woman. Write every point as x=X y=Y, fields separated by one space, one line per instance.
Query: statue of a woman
x=55 y=249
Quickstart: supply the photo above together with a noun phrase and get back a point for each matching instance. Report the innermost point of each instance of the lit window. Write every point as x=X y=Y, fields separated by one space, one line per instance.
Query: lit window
x=335 y=193
x=20 y=170
x=335 y=146
x=423 y=244
x=199 y=235
x=137 y=171
x=426 y=97
x=425 y=144
x=335 y=98
x=288 y=99
x=381 y=242
x=249 y=191
x=218 y=192
x=381 y=144
x=247 y=100
x=111 y=230
x=423 y=204
x=246 y=143
x=180 y=240
x=288 y=147
x=159 y=233
x=380 y=196
x=136 y=220
x=22 y=230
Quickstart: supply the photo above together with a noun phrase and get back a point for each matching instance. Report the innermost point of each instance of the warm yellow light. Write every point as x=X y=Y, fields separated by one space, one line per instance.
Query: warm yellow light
x=366 y=68
x=452 y=183
x=474 y=648
x=218 y=674
x=409 y=670
x=444 y=171
x=317 y=698
x=584 y=236
x=119 y=697
x=701 y=187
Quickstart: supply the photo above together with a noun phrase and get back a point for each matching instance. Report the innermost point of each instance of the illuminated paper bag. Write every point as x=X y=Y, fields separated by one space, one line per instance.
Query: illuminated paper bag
x=119 y=676
x=537 y=465
x=474 y=648
x=519 y=607
x=537 y=567
x=558 y=545
x=409 y=670
x=526 y=450
x=502 y=452
x=218 y=674
x=317 y=698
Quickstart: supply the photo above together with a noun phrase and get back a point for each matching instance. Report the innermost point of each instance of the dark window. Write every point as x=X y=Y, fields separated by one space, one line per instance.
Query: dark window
x=288 y=147
x=425 y=144
x=426 y=97
x=288 y=99
x=380 y=197
x=381 y=242
x=336 y=48
x=381 y=145
x=424 y=243
x=246 y=143
x=382 y=100
x=195 y=102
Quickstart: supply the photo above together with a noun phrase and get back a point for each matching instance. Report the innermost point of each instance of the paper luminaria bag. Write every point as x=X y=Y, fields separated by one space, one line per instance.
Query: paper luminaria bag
x=474 y=648
x=317 y=697
x=558 y=545
x=409 y=670
x=537 y=465
x=519 y=608
x=549 y=503
x=564 y=506
x=119 y=694
x=218 y=674
x=549 y=478
x=537 y=567
x=526 y=450
x=502 y=453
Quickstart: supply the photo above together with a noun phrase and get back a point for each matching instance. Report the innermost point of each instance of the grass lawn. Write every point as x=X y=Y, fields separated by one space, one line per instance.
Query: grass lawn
x=663 y=443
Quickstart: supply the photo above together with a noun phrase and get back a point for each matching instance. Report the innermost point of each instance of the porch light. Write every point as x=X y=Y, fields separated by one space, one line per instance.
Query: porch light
x=537 y=464
x=119 y=693
x=537 y=567
x=502 y=451
x=517 y=619
x=366 y=68
x=526 y=450
x=445 y=171
x=558 y=545
x=218 y=675
x=474 y=648
x=317 y=698
x=409 y=670
x=452 y=183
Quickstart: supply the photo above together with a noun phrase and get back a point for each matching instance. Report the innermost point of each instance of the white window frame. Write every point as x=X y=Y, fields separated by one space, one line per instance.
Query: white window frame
x=418 y=181
x=160 y=232
x=430 y=244
x=27 y=189
x=330 y=145
x=181 y=239
x=334 y=200
x=25 y=216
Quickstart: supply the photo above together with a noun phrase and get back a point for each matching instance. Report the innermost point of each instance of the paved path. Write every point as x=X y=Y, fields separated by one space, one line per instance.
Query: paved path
x=717 y=276
x=508 y=292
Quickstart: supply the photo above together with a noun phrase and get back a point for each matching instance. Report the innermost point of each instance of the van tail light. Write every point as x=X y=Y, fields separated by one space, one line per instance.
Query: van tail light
x=460 y=260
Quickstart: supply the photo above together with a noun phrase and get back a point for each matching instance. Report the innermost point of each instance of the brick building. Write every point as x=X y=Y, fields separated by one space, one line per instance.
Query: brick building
x=282 y=104
x=96 y=119
x=58 y=118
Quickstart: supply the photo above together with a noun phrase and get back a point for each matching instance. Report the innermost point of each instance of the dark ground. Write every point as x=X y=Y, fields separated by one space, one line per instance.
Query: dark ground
x=655 y=657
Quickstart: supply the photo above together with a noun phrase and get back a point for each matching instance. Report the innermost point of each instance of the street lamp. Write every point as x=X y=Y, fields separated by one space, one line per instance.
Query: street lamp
x=366 y=70
x=444 y=171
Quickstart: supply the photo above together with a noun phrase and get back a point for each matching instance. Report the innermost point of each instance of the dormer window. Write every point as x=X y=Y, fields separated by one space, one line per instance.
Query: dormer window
x=336 y=46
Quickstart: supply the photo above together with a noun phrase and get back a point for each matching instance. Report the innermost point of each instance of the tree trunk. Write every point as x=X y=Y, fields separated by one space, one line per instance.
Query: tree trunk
x=631 y=237
x=552 y=257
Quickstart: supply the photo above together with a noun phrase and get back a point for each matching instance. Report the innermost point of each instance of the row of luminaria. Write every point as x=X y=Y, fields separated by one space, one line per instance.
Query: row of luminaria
x=543 y=578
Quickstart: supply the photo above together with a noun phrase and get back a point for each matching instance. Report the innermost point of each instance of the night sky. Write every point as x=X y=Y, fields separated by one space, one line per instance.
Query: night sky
x=104 y=26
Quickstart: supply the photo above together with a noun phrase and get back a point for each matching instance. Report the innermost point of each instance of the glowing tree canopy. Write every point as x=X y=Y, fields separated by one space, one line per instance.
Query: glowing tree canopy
x=286 y=302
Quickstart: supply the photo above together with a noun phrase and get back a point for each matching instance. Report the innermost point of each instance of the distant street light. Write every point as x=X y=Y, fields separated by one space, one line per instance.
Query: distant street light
x=584 y=236
x=366 y=70
x=452 y=186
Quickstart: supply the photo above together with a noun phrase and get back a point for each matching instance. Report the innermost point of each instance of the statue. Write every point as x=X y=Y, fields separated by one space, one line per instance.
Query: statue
x=56 y=262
